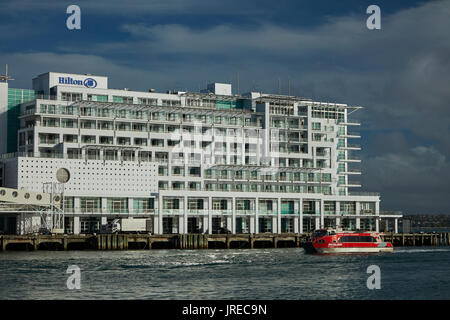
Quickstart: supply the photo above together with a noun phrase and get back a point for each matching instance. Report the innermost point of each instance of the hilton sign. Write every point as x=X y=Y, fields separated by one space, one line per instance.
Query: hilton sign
x=88 y=82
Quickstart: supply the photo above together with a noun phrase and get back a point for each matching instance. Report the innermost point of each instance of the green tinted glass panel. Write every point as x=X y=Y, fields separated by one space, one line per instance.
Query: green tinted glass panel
x=15 y=98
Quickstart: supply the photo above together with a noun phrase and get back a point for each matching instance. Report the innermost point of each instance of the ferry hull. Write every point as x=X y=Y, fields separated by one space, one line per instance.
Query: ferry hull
x=353 y=250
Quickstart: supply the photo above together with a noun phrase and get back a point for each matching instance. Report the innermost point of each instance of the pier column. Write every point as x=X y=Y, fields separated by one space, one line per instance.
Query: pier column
x=395 y=225
x=233 y=206
x=274 y=224
x=295 y=224
x=338 y=221
x=252 y=225
x=210 y=215
x=21 y=223
x=279 y=216
x=104 y=204
x=131 y=206
x=317 y=223
x=229 y=220
x=358 y=213
x=76 y=225
x=206 y=226
x=76 y=204
x=160 y=217
x=322 y=214
x=185 y=214
x=156 y=224
x=256 y=215
x=377 y=224
x=300 y=209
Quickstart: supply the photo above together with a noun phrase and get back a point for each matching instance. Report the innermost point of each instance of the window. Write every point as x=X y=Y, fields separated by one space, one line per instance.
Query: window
x=171 y=204
x=124 y=141
x=140 y=141
x=357 y=239
x=123 y=99
x=70 y=138
x=157 y=142
x=90 y=205
x=106 y=140
x=99 y=98
x=171 y=103
x=71 y=96
x=147 y=101
x=117 y=205
x=220 y=205
x=88 y=139
x=195 y=204
x=143 y=205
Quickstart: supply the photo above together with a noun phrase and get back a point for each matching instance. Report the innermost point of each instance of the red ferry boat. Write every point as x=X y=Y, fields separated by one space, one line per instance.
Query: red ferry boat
x=338 y=241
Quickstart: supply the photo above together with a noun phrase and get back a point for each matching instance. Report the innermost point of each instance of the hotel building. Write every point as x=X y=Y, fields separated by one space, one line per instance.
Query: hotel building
x=190 y=162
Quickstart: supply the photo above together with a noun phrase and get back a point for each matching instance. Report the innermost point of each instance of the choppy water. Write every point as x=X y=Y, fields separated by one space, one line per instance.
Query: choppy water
x=408 y=273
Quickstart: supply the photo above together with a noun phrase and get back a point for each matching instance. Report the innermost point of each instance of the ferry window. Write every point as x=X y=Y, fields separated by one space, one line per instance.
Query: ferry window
x=357 y=239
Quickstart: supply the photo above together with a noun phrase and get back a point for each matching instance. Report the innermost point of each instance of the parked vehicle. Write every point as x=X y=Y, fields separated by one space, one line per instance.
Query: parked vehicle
x=128 y=225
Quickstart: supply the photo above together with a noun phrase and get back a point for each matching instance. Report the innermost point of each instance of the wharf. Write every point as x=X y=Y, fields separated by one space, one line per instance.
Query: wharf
x=191 y=241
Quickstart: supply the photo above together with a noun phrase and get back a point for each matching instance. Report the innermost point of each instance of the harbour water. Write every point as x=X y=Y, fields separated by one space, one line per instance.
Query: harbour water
x=408 y=273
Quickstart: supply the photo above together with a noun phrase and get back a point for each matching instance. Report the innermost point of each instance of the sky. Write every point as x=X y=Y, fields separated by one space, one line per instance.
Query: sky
x=400 y=74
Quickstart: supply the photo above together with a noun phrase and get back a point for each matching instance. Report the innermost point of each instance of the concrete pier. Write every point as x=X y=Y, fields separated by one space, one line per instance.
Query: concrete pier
x=192 y=241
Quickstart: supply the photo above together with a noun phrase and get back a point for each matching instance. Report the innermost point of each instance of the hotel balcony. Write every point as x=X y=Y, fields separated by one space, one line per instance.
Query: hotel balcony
x=350 y=135
x=244 y=212
x=221 y=212
x=343 y=123
x=349 y=159
x=350 y=171
x=198 y=211
x=349 y=147
x=350 y=184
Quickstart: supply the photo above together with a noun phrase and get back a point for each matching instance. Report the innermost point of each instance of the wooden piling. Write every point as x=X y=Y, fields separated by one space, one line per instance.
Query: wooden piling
x=120 y=240
x=36 y=243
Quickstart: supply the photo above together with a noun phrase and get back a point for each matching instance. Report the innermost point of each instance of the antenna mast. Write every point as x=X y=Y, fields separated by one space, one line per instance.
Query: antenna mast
x=6 y=77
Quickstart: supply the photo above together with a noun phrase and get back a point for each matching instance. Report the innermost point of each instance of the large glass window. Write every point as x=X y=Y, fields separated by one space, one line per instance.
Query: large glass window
x=90 y=205
x=143 y=205
x=117 y=205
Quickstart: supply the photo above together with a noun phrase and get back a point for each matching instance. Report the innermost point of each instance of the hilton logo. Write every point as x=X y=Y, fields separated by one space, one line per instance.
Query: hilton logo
x=88 y=83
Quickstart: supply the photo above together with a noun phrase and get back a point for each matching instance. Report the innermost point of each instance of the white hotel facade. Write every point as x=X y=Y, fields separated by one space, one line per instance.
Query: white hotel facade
x=189 y=162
